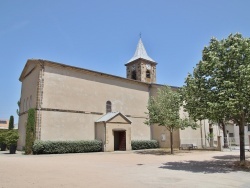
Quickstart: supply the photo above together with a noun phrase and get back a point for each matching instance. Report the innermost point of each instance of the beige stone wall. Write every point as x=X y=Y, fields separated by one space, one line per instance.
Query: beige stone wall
x=162 y=135
x=68 y=126
x=100 y=133
x=139 y=130
x=66 y=89
x=28 y=93
x=119 y=119
x=200 y=135
x=189 y=135
x=22 y=131
x=236 y=139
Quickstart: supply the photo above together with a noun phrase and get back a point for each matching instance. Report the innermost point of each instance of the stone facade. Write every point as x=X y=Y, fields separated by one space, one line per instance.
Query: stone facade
x=142 y=70
x=70 y=101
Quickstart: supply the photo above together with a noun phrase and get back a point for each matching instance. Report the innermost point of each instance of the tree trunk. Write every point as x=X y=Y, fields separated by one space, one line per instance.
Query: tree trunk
x=201 y=135
x=242 y=141
x=171 y=142
x=224 y=134
x=211 y=135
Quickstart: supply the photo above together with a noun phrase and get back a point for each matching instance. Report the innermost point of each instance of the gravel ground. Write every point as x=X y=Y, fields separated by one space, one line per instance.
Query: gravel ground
x=145 y=168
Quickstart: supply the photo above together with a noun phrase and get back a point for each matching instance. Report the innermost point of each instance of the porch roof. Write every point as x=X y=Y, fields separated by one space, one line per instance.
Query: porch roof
x=111 y=115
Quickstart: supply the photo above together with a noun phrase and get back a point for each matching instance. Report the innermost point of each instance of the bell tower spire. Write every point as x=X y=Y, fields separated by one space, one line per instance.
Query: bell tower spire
x=141 y=67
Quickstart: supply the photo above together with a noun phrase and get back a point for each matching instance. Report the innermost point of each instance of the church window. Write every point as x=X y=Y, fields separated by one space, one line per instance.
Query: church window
x=134 y=74
x=148 y=73
x=108 y=107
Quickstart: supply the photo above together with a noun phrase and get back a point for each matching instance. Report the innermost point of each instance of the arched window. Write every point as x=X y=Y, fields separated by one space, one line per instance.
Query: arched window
x=148 y=73
x=108 y=107
x=134 y=74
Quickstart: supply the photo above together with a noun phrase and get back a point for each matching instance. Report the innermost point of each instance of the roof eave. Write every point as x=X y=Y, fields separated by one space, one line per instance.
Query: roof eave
x=130 y=62
x=29 y=61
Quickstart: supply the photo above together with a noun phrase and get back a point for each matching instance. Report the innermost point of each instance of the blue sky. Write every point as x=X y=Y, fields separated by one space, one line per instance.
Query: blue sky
x=102 y=35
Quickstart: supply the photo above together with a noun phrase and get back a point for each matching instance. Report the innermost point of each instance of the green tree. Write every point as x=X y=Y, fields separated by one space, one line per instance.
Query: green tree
x=17 y=110
x=164 y=111
x=220 y=83
x=11 y=123
x=196 y=96
x=30 y=131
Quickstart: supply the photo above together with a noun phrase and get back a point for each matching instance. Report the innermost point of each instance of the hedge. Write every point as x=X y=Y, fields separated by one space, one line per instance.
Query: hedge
x=58 y=147
x=4 y=130
x=144 y=144
x=4 y=133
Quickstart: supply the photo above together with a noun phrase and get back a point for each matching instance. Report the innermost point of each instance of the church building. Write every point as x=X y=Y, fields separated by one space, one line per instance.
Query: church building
x=74 y=103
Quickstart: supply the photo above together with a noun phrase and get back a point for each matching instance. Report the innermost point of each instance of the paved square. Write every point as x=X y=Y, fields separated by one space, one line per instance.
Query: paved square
x=148 y=168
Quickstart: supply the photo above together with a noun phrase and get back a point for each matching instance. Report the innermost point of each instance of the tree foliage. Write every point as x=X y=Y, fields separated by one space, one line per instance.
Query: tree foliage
x=11 y=123
x=12 y=137
x=164 y=109
x=219 y=88
x=30 y=131
x=18 y=110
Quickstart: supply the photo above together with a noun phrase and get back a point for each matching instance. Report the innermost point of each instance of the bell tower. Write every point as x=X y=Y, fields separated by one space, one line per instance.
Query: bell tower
x=141 y=67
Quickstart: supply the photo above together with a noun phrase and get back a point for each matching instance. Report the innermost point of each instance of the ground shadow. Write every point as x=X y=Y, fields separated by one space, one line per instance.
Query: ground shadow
x=221 y=164
x=160 y=152
x=230 y=157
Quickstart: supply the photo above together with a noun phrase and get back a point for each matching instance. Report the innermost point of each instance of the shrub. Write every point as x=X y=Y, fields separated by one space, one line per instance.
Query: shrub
x=12 y=137
x=30 y=131
x=144 y=144
x=3 y=130
x=3 y=140
x=2 y=137
x=57 y=147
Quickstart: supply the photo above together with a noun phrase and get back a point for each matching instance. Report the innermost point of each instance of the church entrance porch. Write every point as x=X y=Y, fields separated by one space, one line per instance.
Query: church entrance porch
x=119 y=140
x=114 y=130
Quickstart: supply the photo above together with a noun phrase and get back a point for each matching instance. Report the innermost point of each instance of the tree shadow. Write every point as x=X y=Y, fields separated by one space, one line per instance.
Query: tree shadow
x=221 y=164
x=230 y=157
x=159 y=152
